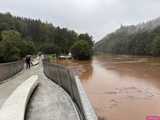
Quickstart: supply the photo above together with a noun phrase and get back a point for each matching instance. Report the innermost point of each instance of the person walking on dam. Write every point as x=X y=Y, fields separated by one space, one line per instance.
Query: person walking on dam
x=28 y=61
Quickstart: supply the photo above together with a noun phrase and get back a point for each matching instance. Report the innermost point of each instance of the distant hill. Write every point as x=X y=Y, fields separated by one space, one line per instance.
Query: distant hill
x=45 y=36
x=150 y=25
x=133 y=39
x=20 y=36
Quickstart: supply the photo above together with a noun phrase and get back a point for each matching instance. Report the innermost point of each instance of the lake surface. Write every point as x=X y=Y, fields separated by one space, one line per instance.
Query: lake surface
x=120 y=87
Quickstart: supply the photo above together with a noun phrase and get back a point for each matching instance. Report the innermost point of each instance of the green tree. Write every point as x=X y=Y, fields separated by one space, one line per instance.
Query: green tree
x=81 y=50
x=86 y=38
x=50 y=49
x=156 y=46
x=13 y=47
x=9 y=46
x=27 y=48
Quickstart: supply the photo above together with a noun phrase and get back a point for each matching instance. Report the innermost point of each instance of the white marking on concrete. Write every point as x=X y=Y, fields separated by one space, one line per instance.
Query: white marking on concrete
x=15 y=106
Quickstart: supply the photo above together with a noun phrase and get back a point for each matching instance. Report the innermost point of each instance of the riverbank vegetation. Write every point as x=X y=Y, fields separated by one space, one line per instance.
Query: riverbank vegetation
x=81 y=50
x=141 y=42
x=21 y=36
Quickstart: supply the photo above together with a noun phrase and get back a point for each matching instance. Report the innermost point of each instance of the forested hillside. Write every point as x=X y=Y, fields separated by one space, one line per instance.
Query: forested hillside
x=20 y=36
x=142 y=39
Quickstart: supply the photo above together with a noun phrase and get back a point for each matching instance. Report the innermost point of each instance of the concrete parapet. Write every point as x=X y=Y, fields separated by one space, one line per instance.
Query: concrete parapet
x=15 y=106
x=7 y=70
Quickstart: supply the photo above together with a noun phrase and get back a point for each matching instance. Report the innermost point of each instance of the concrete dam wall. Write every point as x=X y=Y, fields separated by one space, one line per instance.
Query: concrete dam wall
x=72 y=85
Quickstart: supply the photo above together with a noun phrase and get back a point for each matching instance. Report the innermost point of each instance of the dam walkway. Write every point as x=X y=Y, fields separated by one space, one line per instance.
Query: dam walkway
x=48 y=102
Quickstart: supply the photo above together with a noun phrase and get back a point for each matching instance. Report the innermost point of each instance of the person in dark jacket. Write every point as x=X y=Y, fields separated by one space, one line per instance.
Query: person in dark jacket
x=28 y=61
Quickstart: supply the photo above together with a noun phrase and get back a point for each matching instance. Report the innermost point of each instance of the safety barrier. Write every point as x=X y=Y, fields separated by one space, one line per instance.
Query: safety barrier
x=7 y=70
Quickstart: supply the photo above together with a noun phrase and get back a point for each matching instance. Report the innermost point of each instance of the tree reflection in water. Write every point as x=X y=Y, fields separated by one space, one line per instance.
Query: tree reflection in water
x=83 y=69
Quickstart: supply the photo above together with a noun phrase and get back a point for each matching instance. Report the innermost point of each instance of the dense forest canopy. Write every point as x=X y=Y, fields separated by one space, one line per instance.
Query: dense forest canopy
x=20 y=36
x=143 y=39
x=81 y=50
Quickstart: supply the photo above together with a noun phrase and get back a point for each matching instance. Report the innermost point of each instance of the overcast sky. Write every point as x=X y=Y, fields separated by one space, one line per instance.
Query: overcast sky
x=96 y=17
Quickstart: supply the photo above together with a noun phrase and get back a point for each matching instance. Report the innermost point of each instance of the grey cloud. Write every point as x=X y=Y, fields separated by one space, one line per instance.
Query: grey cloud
x=97 y=17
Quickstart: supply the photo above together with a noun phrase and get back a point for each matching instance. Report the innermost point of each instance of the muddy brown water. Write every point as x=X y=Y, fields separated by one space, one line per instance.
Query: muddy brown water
x=120 y=87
